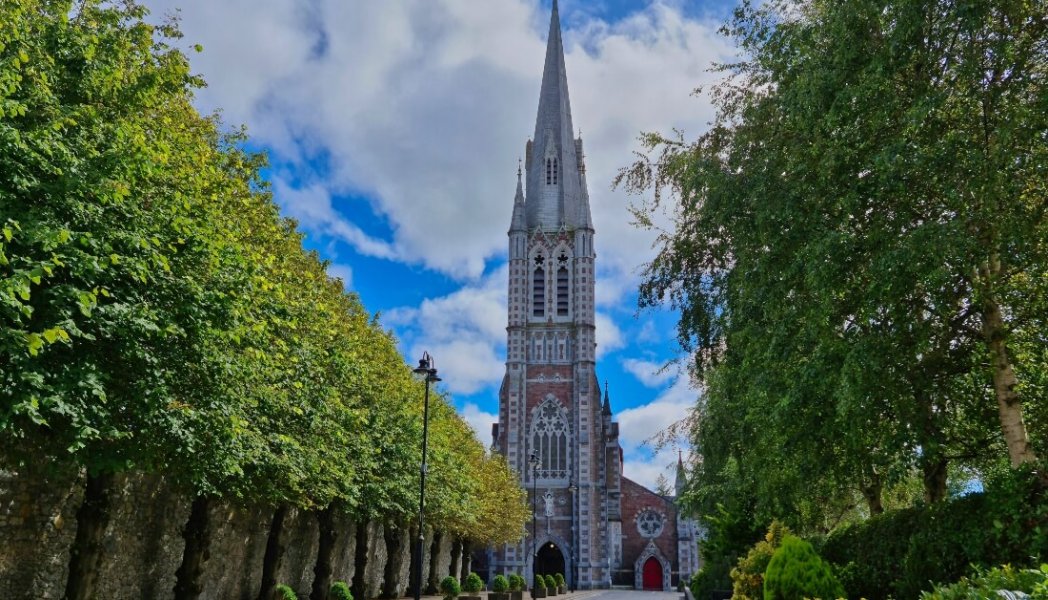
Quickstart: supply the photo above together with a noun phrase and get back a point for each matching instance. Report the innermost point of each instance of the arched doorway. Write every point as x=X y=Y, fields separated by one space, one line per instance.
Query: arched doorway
x=550 y=560
x=652 y=577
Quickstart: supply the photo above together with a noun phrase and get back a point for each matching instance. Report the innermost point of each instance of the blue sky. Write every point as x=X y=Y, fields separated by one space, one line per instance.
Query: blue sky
x=394 y=128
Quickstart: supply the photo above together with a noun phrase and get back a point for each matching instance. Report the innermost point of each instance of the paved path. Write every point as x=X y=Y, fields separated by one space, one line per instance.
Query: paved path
x=599 y=595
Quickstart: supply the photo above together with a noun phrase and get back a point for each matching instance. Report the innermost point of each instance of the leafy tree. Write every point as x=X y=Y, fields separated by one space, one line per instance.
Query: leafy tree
x=854 y=242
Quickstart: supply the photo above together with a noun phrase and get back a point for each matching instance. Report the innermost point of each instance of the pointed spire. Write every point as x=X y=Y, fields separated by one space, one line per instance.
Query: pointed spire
x=517 y=222
x=555 y=187
x=606 y=410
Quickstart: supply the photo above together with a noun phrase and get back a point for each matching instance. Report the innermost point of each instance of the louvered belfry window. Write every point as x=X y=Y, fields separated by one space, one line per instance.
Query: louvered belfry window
x=562 y=292
x=538 y=292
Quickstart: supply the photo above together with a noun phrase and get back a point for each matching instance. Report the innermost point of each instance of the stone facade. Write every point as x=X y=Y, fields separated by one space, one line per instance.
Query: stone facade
x=555 y=427
x=143 y=545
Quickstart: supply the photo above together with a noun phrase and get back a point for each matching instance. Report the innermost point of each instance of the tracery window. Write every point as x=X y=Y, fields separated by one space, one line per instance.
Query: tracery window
x=650 y=523
x=550 y=433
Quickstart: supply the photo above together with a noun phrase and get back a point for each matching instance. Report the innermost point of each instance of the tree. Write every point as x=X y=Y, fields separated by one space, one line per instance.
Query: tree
x=851 y=238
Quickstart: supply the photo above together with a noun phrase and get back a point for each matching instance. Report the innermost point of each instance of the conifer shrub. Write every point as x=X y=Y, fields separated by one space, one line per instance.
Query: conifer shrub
x=516 y=582
x=748 y=576
x=559 y=578
x=551 y=582
x=500 y=584
x=540 y=583
x=450 y=588
x=284 y=592
x=473 y=583
x=796 y=572
x=340 y=591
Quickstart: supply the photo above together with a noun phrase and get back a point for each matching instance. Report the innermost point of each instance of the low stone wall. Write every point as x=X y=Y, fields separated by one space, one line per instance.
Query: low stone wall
x=143 y=545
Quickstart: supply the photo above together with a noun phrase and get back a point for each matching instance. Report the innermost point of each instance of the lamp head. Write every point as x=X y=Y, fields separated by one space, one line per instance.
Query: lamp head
x=426 y=369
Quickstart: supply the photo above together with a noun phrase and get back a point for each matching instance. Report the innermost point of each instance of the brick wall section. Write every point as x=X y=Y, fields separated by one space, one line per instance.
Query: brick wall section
x=636 y=498
x=143 y=546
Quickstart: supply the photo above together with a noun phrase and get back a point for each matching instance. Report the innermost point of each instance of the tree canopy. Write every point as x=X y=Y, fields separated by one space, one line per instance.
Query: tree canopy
x=859 y=252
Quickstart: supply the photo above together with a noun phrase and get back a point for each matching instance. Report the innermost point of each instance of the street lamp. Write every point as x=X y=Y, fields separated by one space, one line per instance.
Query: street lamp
x=574 y=545
x=533 y=461
x=426 y=371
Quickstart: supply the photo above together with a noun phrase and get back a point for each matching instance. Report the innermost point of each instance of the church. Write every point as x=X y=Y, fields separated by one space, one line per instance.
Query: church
x=556 y=429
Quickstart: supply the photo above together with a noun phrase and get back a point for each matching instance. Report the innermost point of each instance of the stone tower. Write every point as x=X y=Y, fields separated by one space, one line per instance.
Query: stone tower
x=550 y=402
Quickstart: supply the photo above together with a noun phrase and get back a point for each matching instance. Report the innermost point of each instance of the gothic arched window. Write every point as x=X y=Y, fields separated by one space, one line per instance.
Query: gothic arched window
x=550 y=434
x=538 y=292
x=551 y=171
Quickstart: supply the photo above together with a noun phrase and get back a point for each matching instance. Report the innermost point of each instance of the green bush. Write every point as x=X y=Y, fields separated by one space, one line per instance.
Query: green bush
x=286 y=593
x=473 y=583
x=559 y=578
x=450 y=588
x=540 y=583
x=712 y=576
x=500 y=584
x=550 y=582
x=900 y=553
x=748 y=576
x=340 y=591
x=796 y=572
x=986 y=583
x=516 y=582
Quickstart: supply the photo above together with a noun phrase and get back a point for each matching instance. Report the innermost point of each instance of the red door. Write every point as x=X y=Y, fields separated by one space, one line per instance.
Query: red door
x=652 y=574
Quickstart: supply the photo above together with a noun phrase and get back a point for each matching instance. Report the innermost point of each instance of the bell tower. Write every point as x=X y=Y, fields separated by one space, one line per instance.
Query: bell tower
x=553 y=428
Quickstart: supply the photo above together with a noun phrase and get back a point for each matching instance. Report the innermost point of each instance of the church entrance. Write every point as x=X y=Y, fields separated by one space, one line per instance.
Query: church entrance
x=652 y=577
x=550 y=560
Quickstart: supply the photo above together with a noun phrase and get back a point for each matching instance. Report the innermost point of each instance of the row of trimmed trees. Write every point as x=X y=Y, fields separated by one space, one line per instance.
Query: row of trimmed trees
x=157 y=314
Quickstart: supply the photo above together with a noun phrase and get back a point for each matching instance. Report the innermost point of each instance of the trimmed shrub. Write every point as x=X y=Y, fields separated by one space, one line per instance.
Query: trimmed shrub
x=473 y=583
x=500 y=584
x=559 y=578
x=284 y=592
x=540 y=583
x=550 y=582
x=748 y=576
x=986 y=583
x=900 y=553
x=516 y=582
x=340 y=591
x=796 y=572
x=450 y=588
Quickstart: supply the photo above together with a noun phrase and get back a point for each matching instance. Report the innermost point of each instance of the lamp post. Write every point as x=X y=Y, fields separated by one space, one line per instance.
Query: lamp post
x=574 y=545
x=533 y=461
x=426 y=371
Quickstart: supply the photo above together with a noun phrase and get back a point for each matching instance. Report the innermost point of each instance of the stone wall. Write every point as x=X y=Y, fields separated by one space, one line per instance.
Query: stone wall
x=143 y=545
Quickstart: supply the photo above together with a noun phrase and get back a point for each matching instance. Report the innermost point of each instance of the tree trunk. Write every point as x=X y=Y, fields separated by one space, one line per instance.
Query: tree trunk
x=433 y=586
x=360 y=560
x=394 y=537
x=456 y=558
x=417 y=557
x=467 y=561
x=872 y=494
x=275 y=547
x=91 y=521
x=1009 y=405
x=327 y=536
x=197 y=536
x=934 y=475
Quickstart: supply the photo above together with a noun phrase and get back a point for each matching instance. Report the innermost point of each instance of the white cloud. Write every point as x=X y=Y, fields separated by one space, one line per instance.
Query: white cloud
x=343 y=272
x=479 y=421
x=465 y=331
x=424 y=106
x=312 y=207
x=640 y=424
x=609 y=336
x=651 y=374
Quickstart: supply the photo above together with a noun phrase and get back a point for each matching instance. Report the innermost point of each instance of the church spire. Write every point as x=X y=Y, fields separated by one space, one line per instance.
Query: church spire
x=606 y=410
x=555 y=185
x=682 y=477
